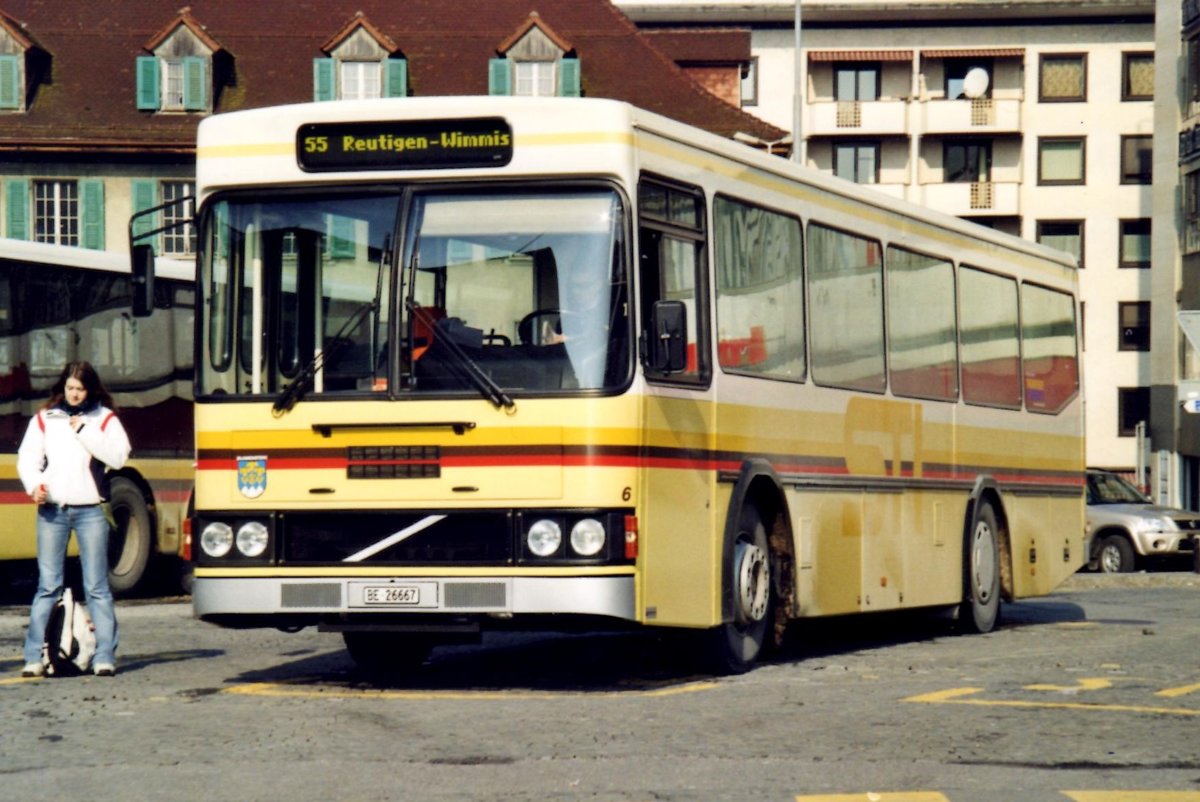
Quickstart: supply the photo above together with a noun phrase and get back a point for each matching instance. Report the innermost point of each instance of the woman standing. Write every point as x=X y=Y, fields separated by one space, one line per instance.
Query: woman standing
x=62 y=461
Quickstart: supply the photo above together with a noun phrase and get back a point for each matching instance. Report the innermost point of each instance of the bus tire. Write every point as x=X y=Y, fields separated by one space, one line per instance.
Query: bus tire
x=131 y=538
x=1115 y=555
x=386 y=653
x=741 y=639
x=980 y=607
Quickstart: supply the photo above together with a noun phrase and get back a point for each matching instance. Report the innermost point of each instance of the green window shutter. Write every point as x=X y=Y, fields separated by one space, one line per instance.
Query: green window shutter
x=145 y=195
x=148 y=96
x=341 y=237
x=323 y=79
x=499 y=77
x=396 y=81
x=568 y=77
x=195 y=83
x=10 y=82
x=16 y=208
x=91 y=208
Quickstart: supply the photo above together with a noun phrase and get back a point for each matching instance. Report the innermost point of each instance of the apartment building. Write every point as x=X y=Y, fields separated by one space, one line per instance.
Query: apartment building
x=1035 y=117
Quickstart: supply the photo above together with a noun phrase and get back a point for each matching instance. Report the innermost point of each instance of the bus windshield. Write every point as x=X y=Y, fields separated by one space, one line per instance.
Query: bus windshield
x=527 y=287
x=497 y=293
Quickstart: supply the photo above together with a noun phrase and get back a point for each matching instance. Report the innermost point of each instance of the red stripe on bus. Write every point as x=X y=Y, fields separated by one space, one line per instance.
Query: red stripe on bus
x=628 y=460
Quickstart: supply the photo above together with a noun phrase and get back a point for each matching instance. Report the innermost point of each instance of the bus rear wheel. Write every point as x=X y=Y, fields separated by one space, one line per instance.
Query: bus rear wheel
x=129 y=541
x=741 y=639
x=386 y=652
x=981 y=603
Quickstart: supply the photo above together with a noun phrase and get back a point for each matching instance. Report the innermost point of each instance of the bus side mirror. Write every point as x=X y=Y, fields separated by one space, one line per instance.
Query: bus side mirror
x=142 y=275
x=668 y=324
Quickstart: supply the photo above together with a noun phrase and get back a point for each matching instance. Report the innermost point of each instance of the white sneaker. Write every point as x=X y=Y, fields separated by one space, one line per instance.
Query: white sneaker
x=105 y=669
x=33 y=670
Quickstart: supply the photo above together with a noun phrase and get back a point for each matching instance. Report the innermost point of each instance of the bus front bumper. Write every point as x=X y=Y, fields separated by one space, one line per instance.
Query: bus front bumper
x=224 y=599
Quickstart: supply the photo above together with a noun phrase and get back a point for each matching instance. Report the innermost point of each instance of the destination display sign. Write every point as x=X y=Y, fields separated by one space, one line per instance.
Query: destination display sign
x=404 y=145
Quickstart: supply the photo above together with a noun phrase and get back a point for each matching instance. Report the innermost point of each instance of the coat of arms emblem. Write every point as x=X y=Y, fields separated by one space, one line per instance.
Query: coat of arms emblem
x=252 y=476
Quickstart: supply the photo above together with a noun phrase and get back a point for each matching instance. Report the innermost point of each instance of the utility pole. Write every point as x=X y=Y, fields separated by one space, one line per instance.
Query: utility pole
x=797 y=96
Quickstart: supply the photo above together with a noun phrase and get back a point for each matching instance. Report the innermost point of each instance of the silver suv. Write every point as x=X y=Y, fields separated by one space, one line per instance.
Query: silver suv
x=1124 y=526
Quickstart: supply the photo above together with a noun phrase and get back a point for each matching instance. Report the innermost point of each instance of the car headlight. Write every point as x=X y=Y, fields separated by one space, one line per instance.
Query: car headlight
x=252 y=538
x=587 y=537
x=544 y=537
x=217 y=539
x=1155 y=524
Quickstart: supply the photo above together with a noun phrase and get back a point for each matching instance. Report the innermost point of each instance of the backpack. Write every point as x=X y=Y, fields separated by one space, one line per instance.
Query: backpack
x=70 y=641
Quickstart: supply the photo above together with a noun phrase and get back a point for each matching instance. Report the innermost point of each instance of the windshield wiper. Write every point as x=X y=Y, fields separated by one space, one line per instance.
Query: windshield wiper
x=296 y=390
x=483 y=382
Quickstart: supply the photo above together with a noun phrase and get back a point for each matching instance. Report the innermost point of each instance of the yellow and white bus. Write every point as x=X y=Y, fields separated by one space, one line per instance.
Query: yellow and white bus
x=507 y=362
x=60 y=303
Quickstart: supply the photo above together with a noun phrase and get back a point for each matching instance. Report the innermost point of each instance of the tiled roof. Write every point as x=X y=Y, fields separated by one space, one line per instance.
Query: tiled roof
x=87 y=100
x=711 y=45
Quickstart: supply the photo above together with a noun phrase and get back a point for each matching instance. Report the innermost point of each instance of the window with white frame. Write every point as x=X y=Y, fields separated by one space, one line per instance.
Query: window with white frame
x=180 y=238
x=750 y=83
x=56 y=212
x=535 y=79
x=360 y=80
x=172 y=78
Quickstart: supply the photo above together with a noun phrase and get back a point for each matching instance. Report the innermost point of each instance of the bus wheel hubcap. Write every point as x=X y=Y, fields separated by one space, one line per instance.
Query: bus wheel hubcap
x=984 y=563
x=753 y=581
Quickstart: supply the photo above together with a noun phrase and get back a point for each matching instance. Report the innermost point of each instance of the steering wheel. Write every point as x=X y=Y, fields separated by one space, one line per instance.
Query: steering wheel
x=526 y=332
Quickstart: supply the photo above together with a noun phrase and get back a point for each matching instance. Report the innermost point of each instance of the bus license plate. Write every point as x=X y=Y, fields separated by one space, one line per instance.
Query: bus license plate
x=398 y=595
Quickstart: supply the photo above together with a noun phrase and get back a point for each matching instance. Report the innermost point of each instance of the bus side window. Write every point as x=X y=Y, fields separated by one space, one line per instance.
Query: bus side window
x=672 y=268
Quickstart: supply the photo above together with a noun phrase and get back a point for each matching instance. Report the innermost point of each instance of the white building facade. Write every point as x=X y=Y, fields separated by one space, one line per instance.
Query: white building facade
x=1035 y=117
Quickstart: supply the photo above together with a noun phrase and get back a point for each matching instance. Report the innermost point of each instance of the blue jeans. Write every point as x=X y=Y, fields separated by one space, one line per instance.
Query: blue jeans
x=54 y=525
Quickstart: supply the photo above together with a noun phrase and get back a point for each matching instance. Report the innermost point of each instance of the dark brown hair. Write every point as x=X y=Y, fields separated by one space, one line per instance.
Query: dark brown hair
x=87 y=375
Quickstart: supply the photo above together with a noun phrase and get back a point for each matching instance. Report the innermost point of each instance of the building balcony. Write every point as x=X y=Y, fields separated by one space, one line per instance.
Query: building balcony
x=976 y=199
x=865 y=118
x=979 y=116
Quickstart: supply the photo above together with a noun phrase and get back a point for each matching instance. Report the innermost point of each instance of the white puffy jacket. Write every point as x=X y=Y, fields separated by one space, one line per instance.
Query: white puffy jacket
x=57 y=456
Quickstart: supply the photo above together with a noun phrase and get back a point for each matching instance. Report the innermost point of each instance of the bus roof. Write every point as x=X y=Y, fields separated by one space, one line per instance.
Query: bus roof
x=539 y=127
x=88 y=259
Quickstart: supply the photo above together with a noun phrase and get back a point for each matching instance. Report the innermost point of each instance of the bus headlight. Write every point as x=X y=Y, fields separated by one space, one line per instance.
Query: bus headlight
x=544 y=537
x=587 y=537
x=217 y=539
x=252 y=539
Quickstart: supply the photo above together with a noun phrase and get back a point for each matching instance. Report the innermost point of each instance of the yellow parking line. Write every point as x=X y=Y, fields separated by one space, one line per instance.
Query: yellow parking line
x=955 y=696
x=1133 y=796
x=1085 y=684
x=898 y=796
x=18 y=680
x=1183 y=690
x=296 y=690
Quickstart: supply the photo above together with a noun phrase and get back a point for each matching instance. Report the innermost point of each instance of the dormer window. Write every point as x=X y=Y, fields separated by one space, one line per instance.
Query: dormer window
x=179 y=76
x=362 y=64
x=535 y=62
x=16 y=50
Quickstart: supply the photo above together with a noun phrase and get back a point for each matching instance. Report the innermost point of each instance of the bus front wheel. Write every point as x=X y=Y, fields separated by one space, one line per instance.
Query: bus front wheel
x=129 y=541
x=1115 y=555
x=981 y=603
x=740 y=640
